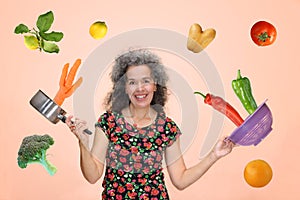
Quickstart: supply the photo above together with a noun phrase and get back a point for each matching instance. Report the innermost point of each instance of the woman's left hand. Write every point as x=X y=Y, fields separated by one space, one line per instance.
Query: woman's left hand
x=77 y=127
x=223 y=147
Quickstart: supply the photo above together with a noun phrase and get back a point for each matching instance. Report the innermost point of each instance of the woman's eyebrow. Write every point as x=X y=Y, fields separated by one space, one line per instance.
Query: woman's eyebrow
x=145 y=77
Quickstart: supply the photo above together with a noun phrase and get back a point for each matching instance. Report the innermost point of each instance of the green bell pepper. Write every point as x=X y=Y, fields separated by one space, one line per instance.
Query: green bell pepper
x=242 y=89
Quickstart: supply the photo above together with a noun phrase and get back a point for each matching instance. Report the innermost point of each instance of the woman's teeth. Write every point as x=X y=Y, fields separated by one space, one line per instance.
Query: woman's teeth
x=140 y=96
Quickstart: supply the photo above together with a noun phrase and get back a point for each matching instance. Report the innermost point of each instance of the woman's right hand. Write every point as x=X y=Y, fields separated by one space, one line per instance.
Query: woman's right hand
x=77 y=127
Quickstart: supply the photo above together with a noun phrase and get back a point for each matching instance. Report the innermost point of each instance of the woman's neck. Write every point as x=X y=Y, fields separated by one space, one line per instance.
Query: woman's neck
x=140 y=117
x=139 y=113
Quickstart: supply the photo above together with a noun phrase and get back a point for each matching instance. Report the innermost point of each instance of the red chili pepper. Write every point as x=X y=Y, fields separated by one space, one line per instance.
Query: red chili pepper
x=222 y=106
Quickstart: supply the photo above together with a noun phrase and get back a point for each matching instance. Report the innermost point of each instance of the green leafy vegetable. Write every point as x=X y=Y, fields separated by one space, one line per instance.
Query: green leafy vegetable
x=50 y=47
x=45 y=21
x=45 y=39
x=21 y=28
x=53 y=36
x=33 y=150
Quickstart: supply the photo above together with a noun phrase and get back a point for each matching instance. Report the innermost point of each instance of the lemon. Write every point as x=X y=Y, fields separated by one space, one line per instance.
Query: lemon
x=31 y=42
x=98 y=30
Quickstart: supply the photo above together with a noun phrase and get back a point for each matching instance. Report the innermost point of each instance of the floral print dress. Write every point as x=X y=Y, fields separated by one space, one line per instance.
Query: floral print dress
x=134 y=157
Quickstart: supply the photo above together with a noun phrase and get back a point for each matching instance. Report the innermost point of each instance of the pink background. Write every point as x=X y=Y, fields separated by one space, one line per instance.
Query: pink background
x=274 y=71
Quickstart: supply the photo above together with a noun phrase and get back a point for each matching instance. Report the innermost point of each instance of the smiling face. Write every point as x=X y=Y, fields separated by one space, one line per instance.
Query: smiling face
x=140 y=85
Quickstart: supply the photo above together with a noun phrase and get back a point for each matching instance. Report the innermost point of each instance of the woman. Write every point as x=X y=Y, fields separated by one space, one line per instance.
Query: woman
x=134 y=134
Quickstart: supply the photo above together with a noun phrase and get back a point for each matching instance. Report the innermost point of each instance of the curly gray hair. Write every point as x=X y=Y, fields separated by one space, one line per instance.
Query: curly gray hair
x=117 y=99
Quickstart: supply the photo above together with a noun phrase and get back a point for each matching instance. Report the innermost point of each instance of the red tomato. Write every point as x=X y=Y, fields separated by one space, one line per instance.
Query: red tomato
x=263 y=33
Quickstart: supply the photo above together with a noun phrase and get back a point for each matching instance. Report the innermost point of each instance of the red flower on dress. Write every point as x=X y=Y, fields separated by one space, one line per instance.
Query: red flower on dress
x=132 y=195
x=129 y=186
x=154 y=192
x=153 y=153
x=164 y=195
x=158 y=157
x=120 y=121
x=119 y=197
x=149 y=161
x=144 y=197
x=147 y=188
x=113 y=164
x=120 y=172
x=128 y=127
x=113 y=155
x=146 y=170
x=111 y=176
x=118 y=129
x=158 y=141
x=124 y=152
x=111 y=192
x=134 y=149
x=148 y=145
x=160 y=187
x=117 y=147
x=151 y=134
x=121 y=189
x=114 y=138
x=111 y=124
x=137 y=158
x=142 y=181
x=125 y=136
x=160 y=128
x=111 y=118
x=131 y=133
x=164 y=137
x=174 y=129
x=161 y=121
x=127 y=168
x=115 y=184
x=137 y=165
x=123 y=160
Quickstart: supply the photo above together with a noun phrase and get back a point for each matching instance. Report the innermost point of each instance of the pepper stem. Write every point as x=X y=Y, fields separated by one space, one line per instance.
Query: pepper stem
x=200 y=94
x=239 y=74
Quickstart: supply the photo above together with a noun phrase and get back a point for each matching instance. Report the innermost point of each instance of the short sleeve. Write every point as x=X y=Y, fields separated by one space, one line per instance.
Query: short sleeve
x=172 y=131
x=106 y=123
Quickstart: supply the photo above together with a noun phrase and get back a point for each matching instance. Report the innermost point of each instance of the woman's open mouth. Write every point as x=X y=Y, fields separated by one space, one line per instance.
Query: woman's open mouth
x=141 y=97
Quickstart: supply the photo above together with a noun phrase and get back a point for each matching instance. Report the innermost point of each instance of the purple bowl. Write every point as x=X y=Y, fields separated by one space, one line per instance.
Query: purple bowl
x=255 y=127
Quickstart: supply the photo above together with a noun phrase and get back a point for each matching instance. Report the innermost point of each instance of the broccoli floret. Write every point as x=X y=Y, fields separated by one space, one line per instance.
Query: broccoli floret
x=33 y=150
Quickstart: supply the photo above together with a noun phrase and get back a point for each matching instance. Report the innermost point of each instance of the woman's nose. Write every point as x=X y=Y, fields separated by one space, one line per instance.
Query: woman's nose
x=140 y=85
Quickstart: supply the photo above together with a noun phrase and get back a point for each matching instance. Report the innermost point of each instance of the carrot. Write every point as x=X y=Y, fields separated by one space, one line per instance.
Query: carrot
x=66 y=89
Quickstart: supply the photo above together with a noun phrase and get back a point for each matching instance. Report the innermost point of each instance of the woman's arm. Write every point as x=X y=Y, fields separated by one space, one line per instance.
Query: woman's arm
x=91 y=161
x=182 y=177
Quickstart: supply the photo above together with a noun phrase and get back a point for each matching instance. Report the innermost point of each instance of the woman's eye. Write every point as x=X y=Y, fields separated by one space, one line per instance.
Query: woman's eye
x=148 y=81
x=131 y=83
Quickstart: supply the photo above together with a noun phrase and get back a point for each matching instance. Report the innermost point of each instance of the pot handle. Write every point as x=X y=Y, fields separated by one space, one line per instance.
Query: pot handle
x=63 y=119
